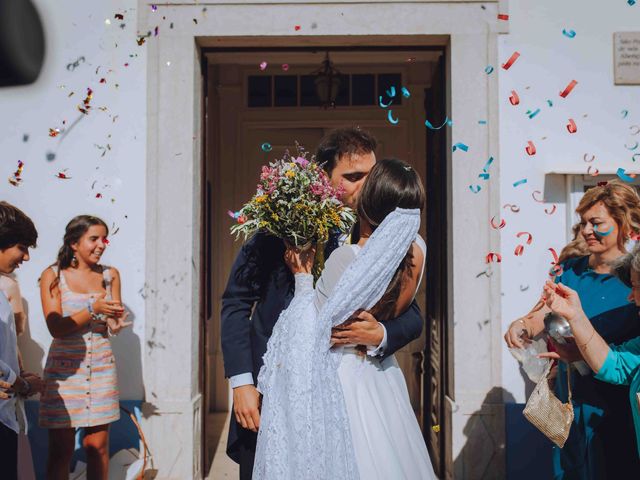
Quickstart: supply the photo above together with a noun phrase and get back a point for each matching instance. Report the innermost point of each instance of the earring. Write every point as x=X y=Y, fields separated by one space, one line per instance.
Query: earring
x=74 y=261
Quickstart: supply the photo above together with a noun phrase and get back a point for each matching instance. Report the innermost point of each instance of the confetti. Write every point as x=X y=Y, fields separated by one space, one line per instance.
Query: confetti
x=488 y=69
x=54 y=132
x=631 y=2
x=393 y=121
x=285 y=67
x=475 y=188
x=118 y=16
x=634 y=129
x=534 y=194
x=50 y=156
x=382 y=104
x=263 y=65
x=550 y=103
x=446 y=122
x=85 y=107
x=524 y=288
x=155 y=31
x=520 y=182
x=25 y=137
x=623 y=176
x=571 y=126
x=624 y=113
x=511 y=61
x=16 y=178
x=529 y=237
x=98 y=195
x=487 y=164
x=75 y=64
x=503 y=16
x=632 y=147
x=514 y=99
x=154 y=8
x=569 y=33
x=593 y=173
x=266 y=147
x=634 y=156
x=482 y=122
x=530 y=148
x=499 y=226
x=195 y=20
x=405 y=92
x=568 y=89
x=586 y=155
x=519 y=250
x=552 y=211
x=297 y=28
x=533 y=114
x=493 y=256
x=436 y=428
x=513 y=208
x=391 y=92
x=62 y=176
x=460 y=146
x=602 y=234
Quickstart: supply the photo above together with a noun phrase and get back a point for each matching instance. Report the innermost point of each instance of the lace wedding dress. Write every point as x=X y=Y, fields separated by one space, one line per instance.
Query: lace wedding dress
x=316 y=411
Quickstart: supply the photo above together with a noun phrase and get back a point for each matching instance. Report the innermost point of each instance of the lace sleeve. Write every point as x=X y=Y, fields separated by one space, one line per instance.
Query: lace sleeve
x=334 y=267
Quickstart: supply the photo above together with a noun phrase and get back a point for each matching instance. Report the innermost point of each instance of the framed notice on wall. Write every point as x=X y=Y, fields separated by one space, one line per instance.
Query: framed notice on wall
x=626 y=58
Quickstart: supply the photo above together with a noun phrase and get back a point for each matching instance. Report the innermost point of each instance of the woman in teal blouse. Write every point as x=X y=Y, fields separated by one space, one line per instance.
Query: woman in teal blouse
x=615 y=364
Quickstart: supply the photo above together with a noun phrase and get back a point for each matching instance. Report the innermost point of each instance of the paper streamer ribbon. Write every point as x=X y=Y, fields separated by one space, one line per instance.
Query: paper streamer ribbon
x=569 y=33
x=499 y=226
x=514 y=99
x=382 y=104
x=571 y=126
x=552 y=211
x=461 y=146
x=475 y=188
x=393 y=121
x=520 y=182
x=568 y=89
x=533 y=195
x=530 y=148
x=593 y=173
x=623 y=176
x=513 y=208
x=428 y=124
x=405 y=92
x=511 y=60
x=493 y=256
x=503 y=16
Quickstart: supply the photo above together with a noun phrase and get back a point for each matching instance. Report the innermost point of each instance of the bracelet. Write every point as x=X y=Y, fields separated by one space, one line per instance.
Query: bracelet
x=90 y=309
x=593 y=334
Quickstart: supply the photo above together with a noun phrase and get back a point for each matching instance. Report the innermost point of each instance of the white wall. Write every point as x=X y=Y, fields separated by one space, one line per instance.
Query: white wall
x=74 y=29
x=548 y=62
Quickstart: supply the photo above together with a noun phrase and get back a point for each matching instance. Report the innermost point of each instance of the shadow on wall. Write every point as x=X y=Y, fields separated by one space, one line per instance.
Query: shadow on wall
x=482 y=456
x=31 y=351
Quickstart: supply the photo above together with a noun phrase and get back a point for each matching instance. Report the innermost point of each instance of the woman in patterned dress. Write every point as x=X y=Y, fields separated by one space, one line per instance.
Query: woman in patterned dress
x=81 y=304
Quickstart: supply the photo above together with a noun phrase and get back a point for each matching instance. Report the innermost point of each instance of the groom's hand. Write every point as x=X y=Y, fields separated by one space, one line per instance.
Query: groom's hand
x=361 y=329
x=246 y=407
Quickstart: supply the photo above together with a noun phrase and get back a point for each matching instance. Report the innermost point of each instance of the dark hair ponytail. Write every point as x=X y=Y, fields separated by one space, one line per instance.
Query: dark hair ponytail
x=391 y=183
x=73 y=232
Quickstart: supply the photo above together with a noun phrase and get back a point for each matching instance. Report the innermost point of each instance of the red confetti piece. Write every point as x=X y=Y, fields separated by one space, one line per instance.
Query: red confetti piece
x=126 y=64
x=16 y=178
x=285 y=67
x=119 y=16
x=571 y=126
x=98 y=195
x=529 y=236
x=503 y=16
x=141 y=41
x=519 y=250
x=103 y=80
x=155 y=32
x=511 y=60
x=593 y=173
x=297 y=28
x=552 y=211
x=263 y=66
x=568 y=89
x=62 y=176
x=493 y=256
x=495 y=226
x=54 y=132
x=530 y=148
x=533 y=195
x=514 y=98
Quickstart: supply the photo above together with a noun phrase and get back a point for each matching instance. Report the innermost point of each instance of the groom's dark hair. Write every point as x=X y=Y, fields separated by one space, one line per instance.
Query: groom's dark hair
x=343 y=141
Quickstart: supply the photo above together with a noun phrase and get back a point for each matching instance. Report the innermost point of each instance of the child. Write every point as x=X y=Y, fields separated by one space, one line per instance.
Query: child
x=81 y=301
x=17 y=235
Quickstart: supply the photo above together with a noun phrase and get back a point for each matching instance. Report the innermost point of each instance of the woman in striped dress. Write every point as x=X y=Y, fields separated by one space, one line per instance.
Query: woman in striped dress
x=81 y=304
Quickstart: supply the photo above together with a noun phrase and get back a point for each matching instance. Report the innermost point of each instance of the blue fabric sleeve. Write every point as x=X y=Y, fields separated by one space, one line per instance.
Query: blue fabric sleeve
x=621 y=363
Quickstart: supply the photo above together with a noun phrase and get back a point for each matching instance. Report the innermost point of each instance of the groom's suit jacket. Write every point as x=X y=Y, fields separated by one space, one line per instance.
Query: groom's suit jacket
x=259 y=288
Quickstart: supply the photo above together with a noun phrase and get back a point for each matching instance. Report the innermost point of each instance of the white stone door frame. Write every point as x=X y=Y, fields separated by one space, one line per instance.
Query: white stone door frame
x=173 y=196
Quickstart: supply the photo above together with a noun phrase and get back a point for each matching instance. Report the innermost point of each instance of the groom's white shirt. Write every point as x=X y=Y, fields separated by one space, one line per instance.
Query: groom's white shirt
x=247 y=378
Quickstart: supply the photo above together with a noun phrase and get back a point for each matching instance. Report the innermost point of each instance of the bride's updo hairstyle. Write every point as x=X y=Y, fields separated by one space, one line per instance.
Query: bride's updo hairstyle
x=391 y=183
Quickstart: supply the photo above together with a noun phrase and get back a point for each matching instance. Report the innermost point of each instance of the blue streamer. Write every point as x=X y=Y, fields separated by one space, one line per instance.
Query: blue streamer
x=623 y=176
x=266 y=147
x=393 y=121
x=475 y=188
x=446 y=122
x=391 y=92
x=405 y=92
x=520 y=182
x=384 y=105
x=461 y=146
x=569 y=33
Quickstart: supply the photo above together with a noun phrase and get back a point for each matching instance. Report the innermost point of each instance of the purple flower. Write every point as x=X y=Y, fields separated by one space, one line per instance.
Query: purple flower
x=303 y=162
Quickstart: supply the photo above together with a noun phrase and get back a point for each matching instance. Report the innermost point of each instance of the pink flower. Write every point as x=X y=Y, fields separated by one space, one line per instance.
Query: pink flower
x=303 y=162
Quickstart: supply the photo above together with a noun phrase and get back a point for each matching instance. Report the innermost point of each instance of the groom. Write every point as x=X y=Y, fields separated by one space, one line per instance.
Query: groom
x=261 y=286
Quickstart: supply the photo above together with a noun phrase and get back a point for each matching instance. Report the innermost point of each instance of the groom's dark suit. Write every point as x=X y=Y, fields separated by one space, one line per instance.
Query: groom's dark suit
x=260 y=287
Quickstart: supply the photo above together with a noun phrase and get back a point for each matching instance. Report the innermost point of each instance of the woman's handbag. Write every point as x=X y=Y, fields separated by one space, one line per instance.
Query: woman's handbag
x=547 y=413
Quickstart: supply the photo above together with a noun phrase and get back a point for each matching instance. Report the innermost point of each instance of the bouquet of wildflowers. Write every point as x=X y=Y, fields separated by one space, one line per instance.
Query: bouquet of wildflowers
x=296 y=202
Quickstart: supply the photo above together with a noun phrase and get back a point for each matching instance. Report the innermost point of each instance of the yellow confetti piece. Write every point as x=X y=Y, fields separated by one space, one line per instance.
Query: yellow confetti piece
x=436 y=428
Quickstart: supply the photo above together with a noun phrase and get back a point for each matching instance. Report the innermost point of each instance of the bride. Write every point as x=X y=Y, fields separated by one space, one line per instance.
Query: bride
x=337 y=413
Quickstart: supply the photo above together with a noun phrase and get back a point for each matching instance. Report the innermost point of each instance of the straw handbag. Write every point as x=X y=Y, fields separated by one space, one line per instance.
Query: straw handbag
x=547 y=413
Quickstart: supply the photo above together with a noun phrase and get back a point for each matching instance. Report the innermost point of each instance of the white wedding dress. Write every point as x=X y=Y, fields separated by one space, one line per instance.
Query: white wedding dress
x=329 y=413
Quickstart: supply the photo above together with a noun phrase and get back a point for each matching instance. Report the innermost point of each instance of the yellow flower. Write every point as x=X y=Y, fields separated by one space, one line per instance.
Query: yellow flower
x=261 y=198
x=289 y=174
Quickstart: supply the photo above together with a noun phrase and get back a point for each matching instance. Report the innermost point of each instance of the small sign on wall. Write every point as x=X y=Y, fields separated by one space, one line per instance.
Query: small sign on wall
x=626 y=58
